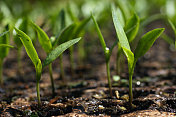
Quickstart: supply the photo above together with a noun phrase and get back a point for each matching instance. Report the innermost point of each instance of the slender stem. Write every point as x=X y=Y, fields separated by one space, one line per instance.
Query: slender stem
x=109 y=77
x=130 y=89
x=51 y=78
x=38 y=93
x=38 y=76
x=1 y=69
x=131 y=71
x=61 y=67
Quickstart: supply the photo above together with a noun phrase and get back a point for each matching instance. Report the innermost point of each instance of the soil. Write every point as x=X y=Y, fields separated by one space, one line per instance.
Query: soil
x=85 y=93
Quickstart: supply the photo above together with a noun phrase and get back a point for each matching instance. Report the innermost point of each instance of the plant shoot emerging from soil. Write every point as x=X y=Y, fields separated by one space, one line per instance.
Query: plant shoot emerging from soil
x=144 y=44
x=52 y=55
x=107 y=53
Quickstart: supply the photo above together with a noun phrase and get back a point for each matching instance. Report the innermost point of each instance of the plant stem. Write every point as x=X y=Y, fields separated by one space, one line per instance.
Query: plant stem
x=130 y=89
x=61 y=67
x=1 y=69
x=38 y=93
x=38 y=76
x=109 y=77
x=51 y=78
x=131 y=83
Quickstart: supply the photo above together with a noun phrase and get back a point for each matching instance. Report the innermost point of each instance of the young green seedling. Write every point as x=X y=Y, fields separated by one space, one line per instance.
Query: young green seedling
x=52 y=55
x=143 y=46
x=47 y=46
x=4 y=50
x=22 y=24
x=131 y=29
x=78 y=31
x=107 y=53
x=63 y=36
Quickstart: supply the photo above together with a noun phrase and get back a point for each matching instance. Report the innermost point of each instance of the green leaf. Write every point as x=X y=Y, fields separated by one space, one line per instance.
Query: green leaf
x=119 y=30
x=43 y=38
x=103 y=44
x=64 y=35
x=121 y=18
x=80 y=26
x=172 y=26
x=147 y=41
x=4 y=40
x=59 y=50
x=22 y=24
x=28 y=46
x=130 y=58
x=174 y=29
x=4 y=33
x=168 y=39
x=132 y=27
x=6 y=45
x=60 y=22
x=39 y=70
x=125 y=8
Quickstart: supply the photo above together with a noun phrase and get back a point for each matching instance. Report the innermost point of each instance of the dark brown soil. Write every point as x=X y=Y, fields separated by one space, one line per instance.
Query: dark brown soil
x=86 y=92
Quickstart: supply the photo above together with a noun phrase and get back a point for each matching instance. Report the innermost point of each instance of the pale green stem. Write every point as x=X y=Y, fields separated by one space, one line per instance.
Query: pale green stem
x=109 y=77
x=130 y=89
x=38 y=93
x=1 y=71
x=131 y=83
x=51 y=78
x=38 y=76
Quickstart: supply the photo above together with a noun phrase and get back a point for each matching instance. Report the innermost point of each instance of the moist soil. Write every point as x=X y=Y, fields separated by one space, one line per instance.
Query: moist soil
x=85 y=92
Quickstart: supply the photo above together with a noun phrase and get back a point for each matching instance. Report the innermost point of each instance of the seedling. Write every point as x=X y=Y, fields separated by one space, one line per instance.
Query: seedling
x=144 y=44
x=22 y=24
x=78 y=31
x=4 y=50
x=107 y=53
x=52 y=55
x=131 y=29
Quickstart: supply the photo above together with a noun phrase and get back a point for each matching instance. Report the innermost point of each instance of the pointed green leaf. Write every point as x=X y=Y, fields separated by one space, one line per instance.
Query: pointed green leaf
x=132 y=27
x=6 y=46
x=43 y=38
x=121 y=18
x=64 y=35
x=59 y=50
x=119 y=30
x=80 y=26
x=28 y=46
x=172 y=26
x=130 y=58
x=146 y=42
x=125 y=8
x=4 y=33
x=39 y=70
x=22 y=24
x=60 y=22
x=103 y=44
